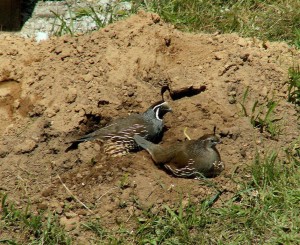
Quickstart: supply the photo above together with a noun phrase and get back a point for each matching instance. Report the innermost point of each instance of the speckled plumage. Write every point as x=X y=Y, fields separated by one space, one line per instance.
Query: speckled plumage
x=187 y=158
x=118 y=135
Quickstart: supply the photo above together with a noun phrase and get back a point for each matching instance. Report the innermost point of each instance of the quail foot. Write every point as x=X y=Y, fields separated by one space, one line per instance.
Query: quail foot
x=187 y=159
x=118 y=135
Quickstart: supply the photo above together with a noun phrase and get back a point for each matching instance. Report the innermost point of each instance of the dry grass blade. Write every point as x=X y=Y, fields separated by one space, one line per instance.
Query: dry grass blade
x=76 y=198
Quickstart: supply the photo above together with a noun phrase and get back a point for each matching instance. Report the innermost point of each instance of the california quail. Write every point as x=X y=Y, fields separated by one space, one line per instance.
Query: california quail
x=189 y=158
x=118 y=135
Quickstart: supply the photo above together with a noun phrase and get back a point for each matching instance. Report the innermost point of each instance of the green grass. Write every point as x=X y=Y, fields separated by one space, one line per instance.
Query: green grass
x=101 y=16
x=32 y=229
x=262 y=115
x=265 y=19
x=265 y=210
x=294 y=86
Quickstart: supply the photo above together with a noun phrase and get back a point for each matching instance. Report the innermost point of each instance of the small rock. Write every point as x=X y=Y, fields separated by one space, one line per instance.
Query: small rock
x=26 y=146
x=245 y=57
x=42 y=206
x=3 y=151
x=242 y=42
x=181 y=119
x=52 y=111
x=47 y=192
x=59 y=210
x=38 y=110
x=264 y=91
x=224 y=132
x=87 y=77
x=16 y=104
x=109 y=179
x=130 y=93
x=232 y=93
x=82 y=212
x=159 y=201
x=219 y=56
x=231 y=100
x=78 y=176
x=65 y=53
x=71 y=96
x=57 y=206
x=70 y=214
x=80 y=49
x=155 y=18
x=41 y=36
x=155 y=210
x=243 y=152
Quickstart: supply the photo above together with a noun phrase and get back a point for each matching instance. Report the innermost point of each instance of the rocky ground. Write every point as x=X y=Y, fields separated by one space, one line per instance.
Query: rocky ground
x=43 y=19
x=54 y=91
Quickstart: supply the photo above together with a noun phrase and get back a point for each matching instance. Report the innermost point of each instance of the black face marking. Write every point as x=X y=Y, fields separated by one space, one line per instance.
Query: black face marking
x=160 y=109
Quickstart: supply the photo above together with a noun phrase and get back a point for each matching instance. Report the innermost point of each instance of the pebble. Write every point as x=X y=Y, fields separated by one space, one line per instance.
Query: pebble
x=80 y=49
x=70 y=214
x=71 y=95
x=242 y=42
x=42 y=206
x=82 y=212
x=181 y=119
x=26 y=146
x=3 y=151
x=130 y=93
x=87 y=77
x=219 y=56
x=231 y=100
x=47 y=192
x=264 y=91
x=232 y=93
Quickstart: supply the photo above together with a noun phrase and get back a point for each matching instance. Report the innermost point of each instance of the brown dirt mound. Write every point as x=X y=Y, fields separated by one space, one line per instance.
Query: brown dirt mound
x=55 y=91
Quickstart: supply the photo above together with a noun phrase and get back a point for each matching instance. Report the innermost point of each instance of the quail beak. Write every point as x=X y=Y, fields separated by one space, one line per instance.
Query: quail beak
x=166 y=107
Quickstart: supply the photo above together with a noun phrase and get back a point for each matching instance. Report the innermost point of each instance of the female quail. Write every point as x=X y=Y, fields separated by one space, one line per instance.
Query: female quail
x=118 y=135
x=189 y=158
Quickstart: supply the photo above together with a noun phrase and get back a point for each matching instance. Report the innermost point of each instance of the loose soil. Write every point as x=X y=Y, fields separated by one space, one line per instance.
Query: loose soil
x=55 y=91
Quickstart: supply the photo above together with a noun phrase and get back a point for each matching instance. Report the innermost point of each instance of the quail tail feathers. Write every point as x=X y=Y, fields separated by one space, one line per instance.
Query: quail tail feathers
x=118 y=135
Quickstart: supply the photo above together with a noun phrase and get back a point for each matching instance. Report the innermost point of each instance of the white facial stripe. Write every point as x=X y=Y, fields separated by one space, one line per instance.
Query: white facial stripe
x=159 y=105
x=156 y=115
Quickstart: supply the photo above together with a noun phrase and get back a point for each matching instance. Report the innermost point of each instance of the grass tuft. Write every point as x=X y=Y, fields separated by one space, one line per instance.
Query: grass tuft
x=294 y=85
x=267 y=20
x=34 y=229
x=262 y=116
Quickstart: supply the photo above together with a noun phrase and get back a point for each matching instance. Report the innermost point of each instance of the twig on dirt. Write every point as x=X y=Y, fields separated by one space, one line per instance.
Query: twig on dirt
x=150 y=193
x=26 y=171
x=76 y=198
x=129 y=217
x=185 y=134
x=24 y=184
x=109 y=190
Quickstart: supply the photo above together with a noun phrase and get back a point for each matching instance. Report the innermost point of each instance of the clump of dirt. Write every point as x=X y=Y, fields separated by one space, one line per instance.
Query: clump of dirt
x=56 y=91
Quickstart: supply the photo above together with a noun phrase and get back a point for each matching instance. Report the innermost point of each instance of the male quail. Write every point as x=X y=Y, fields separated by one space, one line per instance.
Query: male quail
x=118 y=135
x=189 y=158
